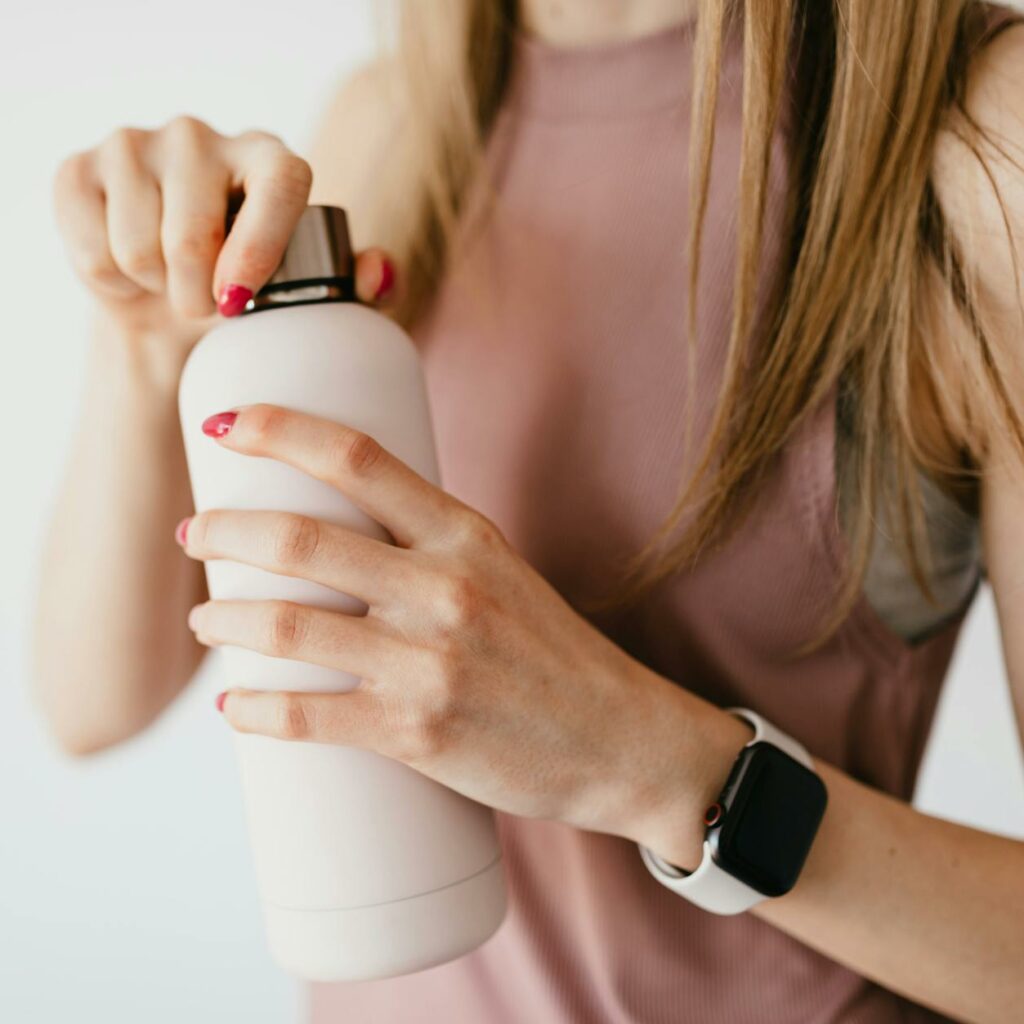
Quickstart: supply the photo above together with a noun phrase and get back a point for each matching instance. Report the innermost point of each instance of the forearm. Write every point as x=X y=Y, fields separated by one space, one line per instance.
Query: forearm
x=111 y=645
x=485 y=680
x=924 y=907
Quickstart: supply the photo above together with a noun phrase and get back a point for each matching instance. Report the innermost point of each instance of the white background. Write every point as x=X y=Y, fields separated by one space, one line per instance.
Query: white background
x=126 y=892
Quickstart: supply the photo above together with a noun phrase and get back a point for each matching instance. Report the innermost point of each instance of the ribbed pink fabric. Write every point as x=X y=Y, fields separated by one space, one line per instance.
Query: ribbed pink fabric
x=557 y=366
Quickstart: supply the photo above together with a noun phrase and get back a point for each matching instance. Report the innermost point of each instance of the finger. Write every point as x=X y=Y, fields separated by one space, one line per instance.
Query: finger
x=195 y=187
x=354 y=718
x=276 y=184
x=134 y=208
x=375 y=276
x=409 y=507
x=80 y=208
x=301 y=546
x=285 y=629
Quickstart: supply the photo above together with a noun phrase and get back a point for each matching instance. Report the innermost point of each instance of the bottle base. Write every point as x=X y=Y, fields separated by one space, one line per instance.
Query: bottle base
x=388 y=939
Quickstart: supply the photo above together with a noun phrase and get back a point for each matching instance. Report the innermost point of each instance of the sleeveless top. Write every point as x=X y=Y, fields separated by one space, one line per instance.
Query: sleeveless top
x=556 y=361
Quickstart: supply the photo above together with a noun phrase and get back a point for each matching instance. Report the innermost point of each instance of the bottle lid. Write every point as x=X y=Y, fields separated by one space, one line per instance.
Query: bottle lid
x=317 y=266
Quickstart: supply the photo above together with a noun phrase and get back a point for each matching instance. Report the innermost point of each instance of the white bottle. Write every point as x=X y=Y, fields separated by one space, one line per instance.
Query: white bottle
x=365 y=867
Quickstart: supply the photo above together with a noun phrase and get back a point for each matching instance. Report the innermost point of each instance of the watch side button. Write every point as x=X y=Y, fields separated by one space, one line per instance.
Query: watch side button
x=713 y=815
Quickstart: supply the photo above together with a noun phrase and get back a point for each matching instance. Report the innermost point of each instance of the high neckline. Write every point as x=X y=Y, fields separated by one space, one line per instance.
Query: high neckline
x=645 y=73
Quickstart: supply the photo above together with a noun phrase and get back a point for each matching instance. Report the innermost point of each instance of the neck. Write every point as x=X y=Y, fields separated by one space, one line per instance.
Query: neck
x=592 y=22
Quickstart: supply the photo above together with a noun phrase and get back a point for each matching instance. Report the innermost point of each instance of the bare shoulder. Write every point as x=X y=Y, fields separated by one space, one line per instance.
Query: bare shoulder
x=984 y=202
x=978 y=175
x=357 y=143
x=980 y=182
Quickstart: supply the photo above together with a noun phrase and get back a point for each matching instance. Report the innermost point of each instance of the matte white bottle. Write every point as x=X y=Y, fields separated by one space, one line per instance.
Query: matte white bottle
x=365 y=867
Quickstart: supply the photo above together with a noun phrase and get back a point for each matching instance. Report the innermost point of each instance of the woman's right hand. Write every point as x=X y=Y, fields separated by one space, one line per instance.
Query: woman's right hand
x=144 y=219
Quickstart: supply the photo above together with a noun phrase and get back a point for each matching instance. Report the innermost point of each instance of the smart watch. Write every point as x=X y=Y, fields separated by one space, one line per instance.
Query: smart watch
x=759 y=830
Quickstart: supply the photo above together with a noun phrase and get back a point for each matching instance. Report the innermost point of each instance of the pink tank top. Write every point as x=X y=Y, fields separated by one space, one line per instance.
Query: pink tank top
x=556 y=361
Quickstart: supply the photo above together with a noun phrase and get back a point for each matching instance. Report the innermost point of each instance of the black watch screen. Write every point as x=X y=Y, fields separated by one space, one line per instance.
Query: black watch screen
x=771 y=808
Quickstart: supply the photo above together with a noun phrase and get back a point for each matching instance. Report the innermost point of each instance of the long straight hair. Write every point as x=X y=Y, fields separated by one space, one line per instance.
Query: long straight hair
x=869 y=249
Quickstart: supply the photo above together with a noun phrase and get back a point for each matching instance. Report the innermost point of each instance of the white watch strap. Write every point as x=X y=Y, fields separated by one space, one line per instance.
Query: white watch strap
x=766 y=731
x=710 y=886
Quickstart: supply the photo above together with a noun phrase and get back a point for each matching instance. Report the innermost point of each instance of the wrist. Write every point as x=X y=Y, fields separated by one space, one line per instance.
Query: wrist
x=698 y=744
x=148 y=359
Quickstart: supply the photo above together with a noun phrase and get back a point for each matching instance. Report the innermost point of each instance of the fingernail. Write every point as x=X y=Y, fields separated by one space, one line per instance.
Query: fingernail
x=387 y=278
x=181 y=531
x=219 y=424
x=233 y=298
x=221 y=697
x=193 y=617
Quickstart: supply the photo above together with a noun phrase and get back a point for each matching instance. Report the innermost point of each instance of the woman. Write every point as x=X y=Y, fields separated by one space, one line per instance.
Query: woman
x=559 y=635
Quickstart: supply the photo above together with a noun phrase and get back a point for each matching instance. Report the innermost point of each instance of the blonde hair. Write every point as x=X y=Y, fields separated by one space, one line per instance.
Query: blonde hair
x=874 y=84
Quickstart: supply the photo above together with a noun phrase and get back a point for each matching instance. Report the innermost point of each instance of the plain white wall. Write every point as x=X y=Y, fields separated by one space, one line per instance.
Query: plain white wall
x=126 y=891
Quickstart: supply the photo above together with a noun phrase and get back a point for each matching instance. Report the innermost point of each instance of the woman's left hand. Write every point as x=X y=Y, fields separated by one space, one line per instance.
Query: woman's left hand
x=473 y=669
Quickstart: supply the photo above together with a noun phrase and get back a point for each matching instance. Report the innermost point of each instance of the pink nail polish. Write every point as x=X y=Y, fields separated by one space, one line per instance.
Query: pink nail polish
x=219 y=424
x=221 y=697
x=181 y=532
x=387 y=278
x=233 y=298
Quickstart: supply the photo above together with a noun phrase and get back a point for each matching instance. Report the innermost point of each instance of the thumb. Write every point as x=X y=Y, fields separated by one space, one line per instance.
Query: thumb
x=375 y=276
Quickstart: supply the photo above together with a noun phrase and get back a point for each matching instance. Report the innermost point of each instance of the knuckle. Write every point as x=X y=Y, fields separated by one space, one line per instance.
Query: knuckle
x=475 y=531
x=195 y=238
x=263 y=422
x=96 y=267
x=122 y=144
x=290 y=176
x=73 y=173
x=140 y=259
x=186 y=129
x=287 y=176
x=425 y=725
x=357 y=453
x=260 y=135
x=284 y=629
x=445 y=671
x=297 y=541
x=459 y=600
x=202 y=530
x=293 y=719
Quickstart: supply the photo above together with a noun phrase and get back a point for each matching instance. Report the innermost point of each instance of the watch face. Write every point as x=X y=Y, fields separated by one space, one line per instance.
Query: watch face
x=773 y=807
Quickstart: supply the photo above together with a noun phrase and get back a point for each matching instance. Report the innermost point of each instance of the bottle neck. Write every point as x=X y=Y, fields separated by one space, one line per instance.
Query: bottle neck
x=302 y=293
